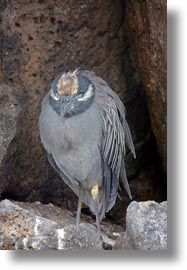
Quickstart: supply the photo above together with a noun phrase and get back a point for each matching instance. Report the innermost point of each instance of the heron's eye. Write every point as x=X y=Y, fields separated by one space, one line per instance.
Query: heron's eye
x=54 y=95
x=80 y=95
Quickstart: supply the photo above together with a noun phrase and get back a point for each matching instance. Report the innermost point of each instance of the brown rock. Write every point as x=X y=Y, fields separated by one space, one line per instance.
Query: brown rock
x=9 y=111
x=146 y=32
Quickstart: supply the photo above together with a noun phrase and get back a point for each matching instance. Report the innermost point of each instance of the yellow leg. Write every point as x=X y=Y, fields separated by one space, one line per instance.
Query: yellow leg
x=95 y=192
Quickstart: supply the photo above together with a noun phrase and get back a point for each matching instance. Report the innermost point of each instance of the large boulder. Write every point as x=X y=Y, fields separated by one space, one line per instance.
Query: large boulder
x=146 y=226
x=146 y=33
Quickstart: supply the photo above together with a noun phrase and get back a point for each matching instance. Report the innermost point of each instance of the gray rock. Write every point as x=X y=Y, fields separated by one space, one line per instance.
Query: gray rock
x=86 y=237
x=146 y=226
x=67 y=238
x=37 y=243
x=34 y=226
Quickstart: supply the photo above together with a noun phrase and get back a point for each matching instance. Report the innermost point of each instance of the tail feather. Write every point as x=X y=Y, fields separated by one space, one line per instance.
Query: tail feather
x=129 y=139
x=124 y=179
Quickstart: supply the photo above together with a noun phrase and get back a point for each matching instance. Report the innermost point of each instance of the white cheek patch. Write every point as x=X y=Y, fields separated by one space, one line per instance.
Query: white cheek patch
x=88 y=94
x=53 y=95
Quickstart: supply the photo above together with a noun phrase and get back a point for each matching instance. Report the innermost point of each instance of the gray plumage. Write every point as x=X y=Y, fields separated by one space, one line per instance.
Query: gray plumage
x=86 y=139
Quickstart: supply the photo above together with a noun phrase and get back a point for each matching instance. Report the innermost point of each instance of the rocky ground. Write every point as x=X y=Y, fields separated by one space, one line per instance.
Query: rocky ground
x=130 y=38
x=35 y=226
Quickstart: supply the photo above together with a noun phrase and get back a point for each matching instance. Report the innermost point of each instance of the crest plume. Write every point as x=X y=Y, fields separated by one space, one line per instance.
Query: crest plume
x=68 y=83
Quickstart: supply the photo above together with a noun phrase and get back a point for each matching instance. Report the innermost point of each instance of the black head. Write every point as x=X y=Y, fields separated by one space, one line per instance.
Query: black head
x=71 y=93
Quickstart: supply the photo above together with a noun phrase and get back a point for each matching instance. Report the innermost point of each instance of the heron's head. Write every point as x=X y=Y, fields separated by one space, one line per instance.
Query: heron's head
x=71 y=93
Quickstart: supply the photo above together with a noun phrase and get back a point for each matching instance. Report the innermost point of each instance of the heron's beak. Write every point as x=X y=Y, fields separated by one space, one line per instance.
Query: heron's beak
x=64 y=106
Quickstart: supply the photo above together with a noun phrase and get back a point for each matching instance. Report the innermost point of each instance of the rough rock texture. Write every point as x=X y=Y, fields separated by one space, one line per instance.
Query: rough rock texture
x=37 y=226
x=9 y=111
x=146 y=34
x=41 y=38
x=67 y=238
x=146 y=226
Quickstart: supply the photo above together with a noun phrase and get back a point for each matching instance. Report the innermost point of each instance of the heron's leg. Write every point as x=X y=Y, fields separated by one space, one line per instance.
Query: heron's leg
x=95 y=192
x=78 y=212
x=97 y=219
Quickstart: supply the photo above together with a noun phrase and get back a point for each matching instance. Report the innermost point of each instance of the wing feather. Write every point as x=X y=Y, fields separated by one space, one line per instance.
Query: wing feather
x=116 y=134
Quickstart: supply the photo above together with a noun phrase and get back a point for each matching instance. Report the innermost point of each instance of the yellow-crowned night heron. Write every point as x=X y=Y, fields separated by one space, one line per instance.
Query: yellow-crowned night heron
x=83 y=128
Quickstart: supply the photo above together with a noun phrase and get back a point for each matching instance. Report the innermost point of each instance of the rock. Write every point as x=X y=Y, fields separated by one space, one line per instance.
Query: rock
x=146 y=34
x=37 y=243
x=17 y=223
x=67 y=238
x=146 y=226
x=86 y=237
x=9 y=111
x=36 y=226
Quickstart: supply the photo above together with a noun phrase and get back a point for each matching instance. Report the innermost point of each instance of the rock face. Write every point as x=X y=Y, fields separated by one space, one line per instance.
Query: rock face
x=9 y=111
x=146 y=226
x=146 y=34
